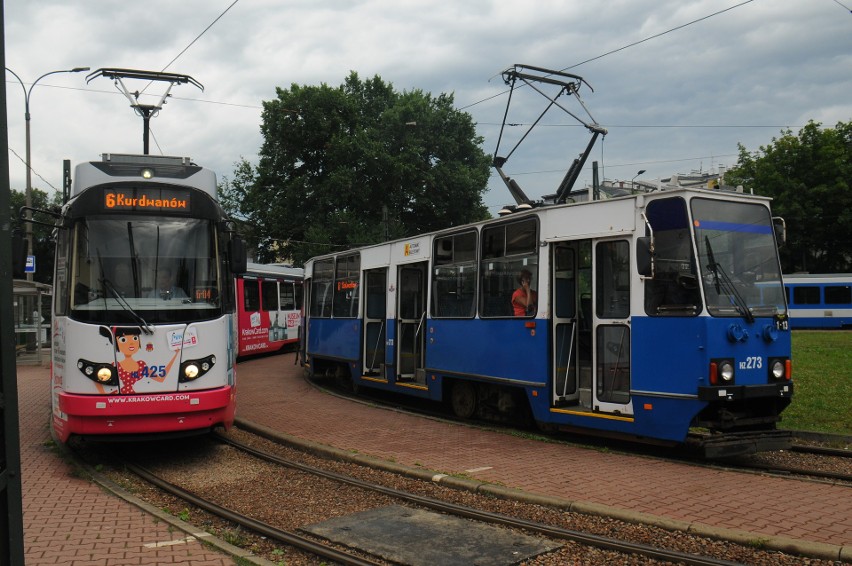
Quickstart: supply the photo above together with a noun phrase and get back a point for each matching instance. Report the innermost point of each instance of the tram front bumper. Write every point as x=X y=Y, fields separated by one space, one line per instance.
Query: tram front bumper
x=738 y=392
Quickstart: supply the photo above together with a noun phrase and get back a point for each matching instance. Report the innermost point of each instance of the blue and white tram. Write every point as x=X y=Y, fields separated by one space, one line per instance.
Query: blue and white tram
x=144 y=332
x=655 y=314
x=819 y=301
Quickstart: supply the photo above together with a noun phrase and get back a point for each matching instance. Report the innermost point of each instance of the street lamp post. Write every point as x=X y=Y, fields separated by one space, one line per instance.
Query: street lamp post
x=29 y=189
x=632 y=186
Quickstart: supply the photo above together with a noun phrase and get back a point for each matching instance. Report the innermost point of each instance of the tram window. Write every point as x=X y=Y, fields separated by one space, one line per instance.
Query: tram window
x=251 y=295
x=322 y=288
x=269 y=290
x=493 y=242
x=287 y=296
x=674 y=289
x=299 y=294
x=507 y=249
x=454 y=278
x=838 y=294
x=346 y=288
x=565 y=282
x=806 y=295
x=60 y=294
x=613 y=279
x=613 y=361
x=376 y=306
x=521 y=238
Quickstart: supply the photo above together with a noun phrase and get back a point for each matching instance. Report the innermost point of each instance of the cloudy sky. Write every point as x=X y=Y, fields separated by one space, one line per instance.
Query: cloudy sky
x=677 y=83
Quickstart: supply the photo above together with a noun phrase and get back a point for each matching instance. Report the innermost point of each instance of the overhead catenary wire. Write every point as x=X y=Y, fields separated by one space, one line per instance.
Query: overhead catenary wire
x=635 y=43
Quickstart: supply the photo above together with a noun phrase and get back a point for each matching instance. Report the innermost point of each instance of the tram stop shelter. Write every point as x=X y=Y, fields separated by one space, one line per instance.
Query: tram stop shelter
x=31 y=305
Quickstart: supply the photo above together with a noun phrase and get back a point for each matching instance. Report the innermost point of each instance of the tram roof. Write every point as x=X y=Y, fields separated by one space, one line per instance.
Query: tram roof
x=143 y=169
x=549 y=209
x=273 y=269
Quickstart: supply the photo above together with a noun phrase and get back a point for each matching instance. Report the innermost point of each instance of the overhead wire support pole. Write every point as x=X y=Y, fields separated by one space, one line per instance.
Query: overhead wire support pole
x=145 y=111
x=29 y=187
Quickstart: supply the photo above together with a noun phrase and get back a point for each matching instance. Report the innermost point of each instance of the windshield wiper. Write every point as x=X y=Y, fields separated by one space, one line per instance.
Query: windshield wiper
x=712 y=266
x=723 y=282
x=107 y=284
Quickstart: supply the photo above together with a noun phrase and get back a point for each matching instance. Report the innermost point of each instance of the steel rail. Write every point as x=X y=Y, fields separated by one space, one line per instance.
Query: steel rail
x=782 y=470
x=779 y=470
x=489 y=517
x=822 y=450
x=265 y=529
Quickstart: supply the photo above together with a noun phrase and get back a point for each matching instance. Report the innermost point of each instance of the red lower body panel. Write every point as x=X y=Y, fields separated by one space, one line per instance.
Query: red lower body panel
x=144 y=414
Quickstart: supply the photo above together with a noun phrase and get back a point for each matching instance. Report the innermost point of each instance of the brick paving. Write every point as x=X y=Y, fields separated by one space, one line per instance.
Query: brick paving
x=70 y=520
x=272 y=393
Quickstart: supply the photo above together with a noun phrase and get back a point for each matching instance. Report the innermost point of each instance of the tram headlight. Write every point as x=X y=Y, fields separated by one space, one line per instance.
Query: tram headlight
x=147 y=173
x=721 y=372
x=779 y=369
x=191 y=370
x=104 y=374
x=726 y=371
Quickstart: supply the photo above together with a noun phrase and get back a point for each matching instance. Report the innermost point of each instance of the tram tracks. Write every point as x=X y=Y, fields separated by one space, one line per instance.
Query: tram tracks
x=284 y=536
x=810 y=462
x=806 y=461
x=233 y=456
x=490 y=517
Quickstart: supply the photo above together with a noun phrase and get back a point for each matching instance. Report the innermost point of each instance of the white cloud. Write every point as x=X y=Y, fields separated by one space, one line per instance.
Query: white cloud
x=739 y=76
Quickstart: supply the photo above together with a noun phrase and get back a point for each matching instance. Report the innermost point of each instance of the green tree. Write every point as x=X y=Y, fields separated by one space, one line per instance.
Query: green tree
x=359 y=164
x=43 y=240
x=808 y=176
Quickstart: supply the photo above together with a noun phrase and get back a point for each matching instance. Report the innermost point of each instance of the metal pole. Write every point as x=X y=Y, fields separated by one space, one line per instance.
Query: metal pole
x=29 y=191
x=29 y=188
x=632 y=186
x=11 y=489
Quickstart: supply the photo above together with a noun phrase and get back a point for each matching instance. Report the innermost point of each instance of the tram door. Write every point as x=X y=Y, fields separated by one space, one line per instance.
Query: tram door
x=591 y=320
x=572 y=323
x=411 y=324
x=375 y=301
x=612 y=327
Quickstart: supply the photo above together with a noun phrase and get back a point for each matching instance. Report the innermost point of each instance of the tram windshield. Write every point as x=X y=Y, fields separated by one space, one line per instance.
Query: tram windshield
x=137 y=270
x=738 y=259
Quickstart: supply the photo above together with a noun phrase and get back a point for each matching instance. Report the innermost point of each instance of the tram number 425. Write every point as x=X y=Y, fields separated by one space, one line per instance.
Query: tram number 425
x=752 y=362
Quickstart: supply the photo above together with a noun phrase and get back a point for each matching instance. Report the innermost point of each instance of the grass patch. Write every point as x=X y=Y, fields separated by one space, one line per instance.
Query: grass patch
x=822 y=374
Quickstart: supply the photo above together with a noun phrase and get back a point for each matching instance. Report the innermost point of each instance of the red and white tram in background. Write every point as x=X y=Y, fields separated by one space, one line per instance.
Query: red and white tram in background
x=269 y=308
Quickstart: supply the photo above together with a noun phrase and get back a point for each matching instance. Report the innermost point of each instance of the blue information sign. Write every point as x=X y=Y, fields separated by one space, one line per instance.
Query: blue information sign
x=30 y=266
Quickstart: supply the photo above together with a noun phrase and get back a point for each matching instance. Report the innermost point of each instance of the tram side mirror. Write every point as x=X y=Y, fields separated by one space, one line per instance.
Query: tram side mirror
x=780 y=228
x=644 y=256
x=19 y=254
x=237 y=255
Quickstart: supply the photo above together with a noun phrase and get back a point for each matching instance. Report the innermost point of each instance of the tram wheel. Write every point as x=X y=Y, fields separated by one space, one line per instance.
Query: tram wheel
x=463 y=399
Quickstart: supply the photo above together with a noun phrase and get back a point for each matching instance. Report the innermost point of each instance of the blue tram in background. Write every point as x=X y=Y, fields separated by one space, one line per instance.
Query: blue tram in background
x=656 y=314
x=819 y=301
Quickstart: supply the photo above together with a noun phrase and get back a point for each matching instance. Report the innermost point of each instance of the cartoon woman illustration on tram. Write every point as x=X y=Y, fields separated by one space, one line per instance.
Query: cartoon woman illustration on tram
x=130 y=371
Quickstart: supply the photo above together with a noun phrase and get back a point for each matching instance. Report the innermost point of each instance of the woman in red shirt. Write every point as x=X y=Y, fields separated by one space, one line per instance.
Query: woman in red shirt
x=524 y=299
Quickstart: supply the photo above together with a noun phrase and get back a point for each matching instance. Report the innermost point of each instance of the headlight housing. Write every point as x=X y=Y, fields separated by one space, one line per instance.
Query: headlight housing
x=99 y=372
x=190 y=370
x=780 y=369
x=721 y=372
